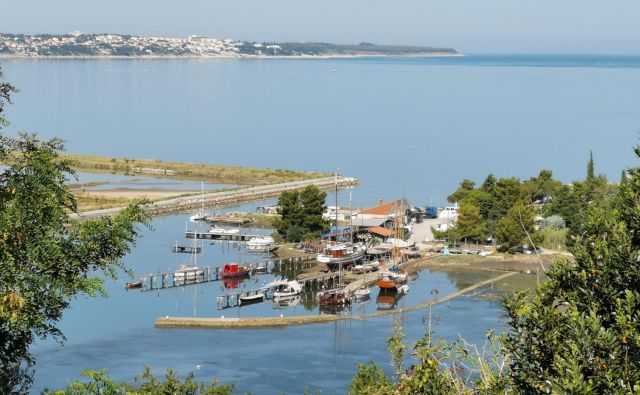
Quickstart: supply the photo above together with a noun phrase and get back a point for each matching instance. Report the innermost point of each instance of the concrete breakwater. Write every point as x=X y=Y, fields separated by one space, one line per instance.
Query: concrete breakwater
x=225 y=198
x=263 y=322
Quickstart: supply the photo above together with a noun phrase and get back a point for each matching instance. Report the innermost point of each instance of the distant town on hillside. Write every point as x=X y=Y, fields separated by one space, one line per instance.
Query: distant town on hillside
x=97 y=45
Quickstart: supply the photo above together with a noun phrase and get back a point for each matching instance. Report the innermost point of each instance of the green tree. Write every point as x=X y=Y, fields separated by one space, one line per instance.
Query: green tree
x=45 y=259
x=542 y=186
x=568 y=205
x=6 y=90
x=590 y=167
x=469 y=225
x=466 y=186
x=513 y=228
x=301 y=214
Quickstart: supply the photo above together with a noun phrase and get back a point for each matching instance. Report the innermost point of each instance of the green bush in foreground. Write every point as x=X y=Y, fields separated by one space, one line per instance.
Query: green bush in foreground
x=146 y=383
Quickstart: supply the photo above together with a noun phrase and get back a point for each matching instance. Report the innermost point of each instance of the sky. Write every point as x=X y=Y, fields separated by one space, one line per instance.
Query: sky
x=471 y=26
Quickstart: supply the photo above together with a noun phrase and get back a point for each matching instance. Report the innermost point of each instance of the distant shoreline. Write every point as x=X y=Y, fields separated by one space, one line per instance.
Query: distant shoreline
x=207 y=57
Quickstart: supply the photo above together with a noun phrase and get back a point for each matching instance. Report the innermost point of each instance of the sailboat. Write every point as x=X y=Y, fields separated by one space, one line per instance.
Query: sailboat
x=190 y=272
x=363 y=293
x=395 y=278
x=201 y=215
x=338 y=296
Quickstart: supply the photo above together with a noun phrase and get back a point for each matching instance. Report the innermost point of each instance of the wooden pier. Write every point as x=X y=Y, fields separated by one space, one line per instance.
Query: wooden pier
x=185 y=249
x=238 y=237
x=184 y=277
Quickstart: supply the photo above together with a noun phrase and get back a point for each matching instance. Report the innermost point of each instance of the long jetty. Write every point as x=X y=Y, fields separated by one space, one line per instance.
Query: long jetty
x=199 y=275
x=225 y=198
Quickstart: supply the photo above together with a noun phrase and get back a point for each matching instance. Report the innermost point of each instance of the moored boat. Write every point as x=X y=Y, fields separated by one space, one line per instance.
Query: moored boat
x=249 y=299
x=334 y=297
x=132 y=285
x=187 y=273
x=362 y=294
x=390 y=281
x=234 y=270
x=288 y=290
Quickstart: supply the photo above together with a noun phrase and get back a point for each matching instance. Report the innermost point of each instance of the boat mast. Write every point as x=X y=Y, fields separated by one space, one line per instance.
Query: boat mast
x=340 y=262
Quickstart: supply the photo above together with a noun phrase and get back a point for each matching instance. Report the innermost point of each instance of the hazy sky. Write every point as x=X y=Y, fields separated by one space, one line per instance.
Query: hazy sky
x=551 y=26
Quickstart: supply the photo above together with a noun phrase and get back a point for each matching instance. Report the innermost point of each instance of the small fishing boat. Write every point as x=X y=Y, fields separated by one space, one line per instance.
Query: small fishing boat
x=137 y=284
x=233 y=270
x=249 y=299
x=362 y=294
x=391 y=282
x=288 y=290
x=334 y=297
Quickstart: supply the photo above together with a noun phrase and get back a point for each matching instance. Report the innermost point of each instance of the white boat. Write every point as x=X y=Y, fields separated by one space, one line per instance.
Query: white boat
x=216 y=230
x=187 y=273
x=200 y=215
x=362 y=294
x=261 y=243
x=288 y=290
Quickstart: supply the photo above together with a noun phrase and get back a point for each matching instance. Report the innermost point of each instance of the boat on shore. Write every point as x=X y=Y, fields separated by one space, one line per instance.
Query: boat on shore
x=341 y=255
x=234 y=270
x=366 y=267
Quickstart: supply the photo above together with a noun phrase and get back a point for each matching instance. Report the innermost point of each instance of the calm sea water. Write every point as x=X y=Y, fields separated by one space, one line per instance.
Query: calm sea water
x=404 y=126
x=411 y=127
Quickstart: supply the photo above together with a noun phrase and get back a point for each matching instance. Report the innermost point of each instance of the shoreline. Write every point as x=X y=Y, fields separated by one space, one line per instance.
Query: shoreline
x=237 y=57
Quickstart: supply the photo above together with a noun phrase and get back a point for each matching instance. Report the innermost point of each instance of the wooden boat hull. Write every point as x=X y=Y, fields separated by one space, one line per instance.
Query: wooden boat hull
x=134 y=285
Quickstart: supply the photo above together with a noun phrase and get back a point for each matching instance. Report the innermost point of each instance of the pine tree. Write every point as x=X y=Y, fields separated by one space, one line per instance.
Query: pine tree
x=590 y=169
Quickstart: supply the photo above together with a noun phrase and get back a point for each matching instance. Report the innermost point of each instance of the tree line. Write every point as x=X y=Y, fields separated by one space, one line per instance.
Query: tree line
x=504 y=210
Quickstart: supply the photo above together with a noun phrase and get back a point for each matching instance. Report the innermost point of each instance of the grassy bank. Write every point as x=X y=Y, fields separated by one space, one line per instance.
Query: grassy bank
x=198 y=171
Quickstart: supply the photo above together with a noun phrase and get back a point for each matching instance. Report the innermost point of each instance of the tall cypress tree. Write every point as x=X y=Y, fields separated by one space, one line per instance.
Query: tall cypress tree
x=590 y=171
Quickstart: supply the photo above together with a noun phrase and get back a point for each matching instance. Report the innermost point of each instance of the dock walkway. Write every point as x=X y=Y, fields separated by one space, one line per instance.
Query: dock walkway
x=192 y=276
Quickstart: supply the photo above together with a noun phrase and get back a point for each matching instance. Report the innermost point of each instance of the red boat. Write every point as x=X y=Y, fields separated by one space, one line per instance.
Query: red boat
x=233 y=270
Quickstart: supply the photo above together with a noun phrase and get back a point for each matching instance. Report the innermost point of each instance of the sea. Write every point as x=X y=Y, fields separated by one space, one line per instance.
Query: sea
x=405 y=127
